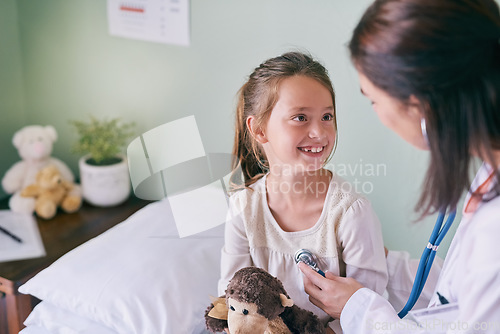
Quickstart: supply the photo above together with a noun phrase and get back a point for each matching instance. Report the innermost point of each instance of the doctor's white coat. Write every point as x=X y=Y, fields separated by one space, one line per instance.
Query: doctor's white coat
x=469 y=277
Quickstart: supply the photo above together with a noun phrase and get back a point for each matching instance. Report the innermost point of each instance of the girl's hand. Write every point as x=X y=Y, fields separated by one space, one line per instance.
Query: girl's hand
x=331 y=293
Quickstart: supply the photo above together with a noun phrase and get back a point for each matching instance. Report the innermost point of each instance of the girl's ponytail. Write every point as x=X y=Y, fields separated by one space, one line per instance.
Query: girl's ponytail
x=247 y=160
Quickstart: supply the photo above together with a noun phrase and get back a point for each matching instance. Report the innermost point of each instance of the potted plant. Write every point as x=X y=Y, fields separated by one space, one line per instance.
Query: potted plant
x=104 y=173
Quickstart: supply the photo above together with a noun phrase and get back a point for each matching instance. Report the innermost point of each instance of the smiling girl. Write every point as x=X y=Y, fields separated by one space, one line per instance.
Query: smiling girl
x=286 y=132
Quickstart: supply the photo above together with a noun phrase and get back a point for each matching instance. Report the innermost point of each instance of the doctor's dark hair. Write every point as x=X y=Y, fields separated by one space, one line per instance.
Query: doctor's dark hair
x=257 y=97
x=446 y=53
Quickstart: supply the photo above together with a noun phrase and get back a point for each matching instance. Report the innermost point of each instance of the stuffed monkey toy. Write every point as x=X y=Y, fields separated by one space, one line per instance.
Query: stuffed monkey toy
x=257 y=303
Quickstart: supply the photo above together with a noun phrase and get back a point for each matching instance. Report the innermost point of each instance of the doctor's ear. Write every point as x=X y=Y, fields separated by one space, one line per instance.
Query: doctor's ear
x=255 y=130
x=415 y=107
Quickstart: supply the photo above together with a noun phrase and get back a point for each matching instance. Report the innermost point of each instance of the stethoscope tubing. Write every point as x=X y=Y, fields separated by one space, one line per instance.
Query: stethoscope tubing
x=428 y=255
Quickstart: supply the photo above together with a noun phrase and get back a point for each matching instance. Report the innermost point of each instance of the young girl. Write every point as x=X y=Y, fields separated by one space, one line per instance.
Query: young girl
x=285 y=133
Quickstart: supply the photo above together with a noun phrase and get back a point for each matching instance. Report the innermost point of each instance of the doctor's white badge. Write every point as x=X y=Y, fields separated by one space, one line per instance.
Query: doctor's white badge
x=439 y=319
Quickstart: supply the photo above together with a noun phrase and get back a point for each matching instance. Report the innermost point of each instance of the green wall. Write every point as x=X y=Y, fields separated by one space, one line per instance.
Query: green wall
x=12 y=109
x=58 y=62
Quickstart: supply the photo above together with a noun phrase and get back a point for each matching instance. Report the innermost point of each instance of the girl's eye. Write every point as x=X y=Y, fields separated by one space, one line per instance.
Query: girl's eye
x=232 y=308
x=328 y=117
x=300 y=118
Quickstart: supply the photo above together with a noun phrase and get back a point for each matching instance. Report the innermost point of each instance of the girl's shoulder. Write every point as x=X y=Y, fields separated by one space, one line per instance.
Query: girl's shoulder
x=253 y=193
x=345 y=193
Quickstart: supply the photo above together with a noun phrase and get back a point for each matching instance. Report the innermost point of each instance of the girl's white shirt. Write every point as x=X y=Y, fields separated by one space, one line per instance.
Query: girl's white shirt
x=254 y=238
x=469 y=277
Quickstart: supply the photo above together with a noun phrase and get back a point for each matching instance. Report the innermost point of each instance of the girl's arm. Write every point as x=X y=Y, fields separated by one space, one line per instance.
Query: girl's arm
x=236 y=252
x=360 y=237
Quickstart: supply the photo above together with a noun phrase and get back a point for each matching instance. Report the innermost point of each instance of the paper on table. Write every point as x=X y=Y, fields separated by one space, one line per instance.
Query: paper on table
x=25 y=227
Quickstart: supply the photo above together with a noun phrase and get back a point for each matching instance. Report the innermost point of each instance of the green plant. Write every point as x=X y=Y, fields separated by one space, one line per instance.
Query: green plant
x=102 y=139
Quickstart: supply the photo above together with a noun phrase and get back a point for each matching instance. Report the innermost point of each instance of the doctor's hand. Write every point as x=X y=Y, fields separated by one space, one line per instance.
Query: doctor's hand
x=331 y=293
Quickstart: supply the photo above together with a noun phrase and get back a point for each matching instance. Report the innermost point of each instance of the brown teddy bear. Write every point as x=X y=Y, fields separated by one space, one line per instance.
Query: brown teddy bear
x=51 y=191
x=256 y=303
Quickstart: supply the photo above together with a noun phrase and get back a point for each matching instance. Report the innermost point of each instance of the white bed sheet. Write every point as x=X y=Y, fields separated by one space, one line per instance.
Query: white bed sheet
x=34 y=330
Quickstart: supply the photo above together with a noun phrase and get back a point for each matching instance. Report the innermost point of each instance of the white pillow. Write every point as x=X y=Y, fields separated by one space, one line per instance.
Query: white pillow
x=137 y=277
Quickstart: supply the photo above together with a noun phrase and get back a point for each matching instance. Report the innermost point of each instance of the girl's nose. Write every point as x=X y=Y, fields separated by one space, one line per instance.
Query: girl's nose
x=315 y=130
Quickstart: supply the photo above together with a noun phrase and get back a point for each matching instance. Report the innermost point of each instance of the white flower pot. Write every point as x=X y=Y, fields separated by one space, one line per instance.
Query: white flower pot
x=104 y=185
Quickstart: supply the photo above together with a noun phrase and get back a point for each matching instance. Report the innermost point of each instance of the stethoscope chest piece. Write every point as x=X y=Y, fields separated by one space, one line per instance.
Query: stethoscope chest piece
x=306 y=256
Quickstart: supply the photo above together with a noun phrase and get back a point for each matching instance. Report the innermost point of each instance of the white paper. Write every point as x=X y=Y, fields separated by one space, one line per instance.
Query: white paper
x=161 y=21
x=25 y=227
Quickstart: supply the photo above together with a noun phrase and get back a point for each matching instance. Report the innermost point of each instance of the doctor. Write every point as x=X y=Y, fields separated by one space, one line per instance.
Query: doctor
x=431 y=69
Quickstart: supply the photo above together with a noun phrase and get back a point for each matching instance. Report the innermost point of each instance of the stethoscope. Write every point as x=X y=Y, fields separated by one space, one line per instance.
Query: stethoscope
x=424 y=266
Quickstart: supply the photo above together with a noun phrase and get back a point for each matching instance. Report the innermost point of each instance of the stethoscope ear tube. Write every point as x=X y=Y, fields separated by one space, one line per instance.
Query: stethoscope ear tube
x=427 y=258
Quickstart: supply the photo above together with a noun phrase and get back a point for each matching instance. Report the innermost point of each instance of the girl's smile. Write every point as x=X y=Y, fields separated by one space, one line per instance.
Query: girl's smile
x=312 y=149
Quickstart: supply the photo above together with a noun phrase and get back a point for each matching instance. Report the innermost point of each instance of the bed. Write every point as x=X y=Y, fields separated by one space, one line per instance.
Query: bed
x=138 y=277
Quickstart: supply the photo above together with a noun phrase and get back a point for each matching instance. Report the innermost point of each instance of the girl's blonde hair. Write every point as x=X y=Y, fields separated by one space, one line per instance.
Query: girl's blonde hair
x=257 y=97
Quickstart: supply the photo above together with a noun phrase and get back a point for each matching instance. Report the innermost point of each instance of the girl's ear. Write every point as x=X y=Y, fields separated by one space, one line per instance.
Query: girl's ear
x=255 y=131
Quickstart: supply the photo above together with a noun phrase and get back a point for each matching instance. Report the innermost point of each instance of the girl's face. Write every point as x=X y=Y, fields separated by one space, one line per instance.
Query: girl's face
x=300 y=132
x=402 y=119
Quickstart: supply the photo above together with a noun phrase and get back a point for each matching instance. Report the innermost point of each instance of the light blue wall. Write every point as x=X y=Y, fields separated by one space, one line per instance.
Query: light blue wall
x=71 y=67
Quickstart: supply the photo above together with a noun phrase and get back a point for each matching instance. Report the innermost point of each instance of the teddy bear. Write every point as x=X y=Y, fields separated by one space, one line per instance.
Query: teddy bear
x=34 y=144
x=256 y=302
x=51 y=191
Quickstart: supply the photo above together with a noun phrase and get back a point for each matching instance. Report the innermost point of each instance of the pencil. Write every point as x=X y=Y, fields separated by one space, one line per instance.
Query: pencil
x=6 y=232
